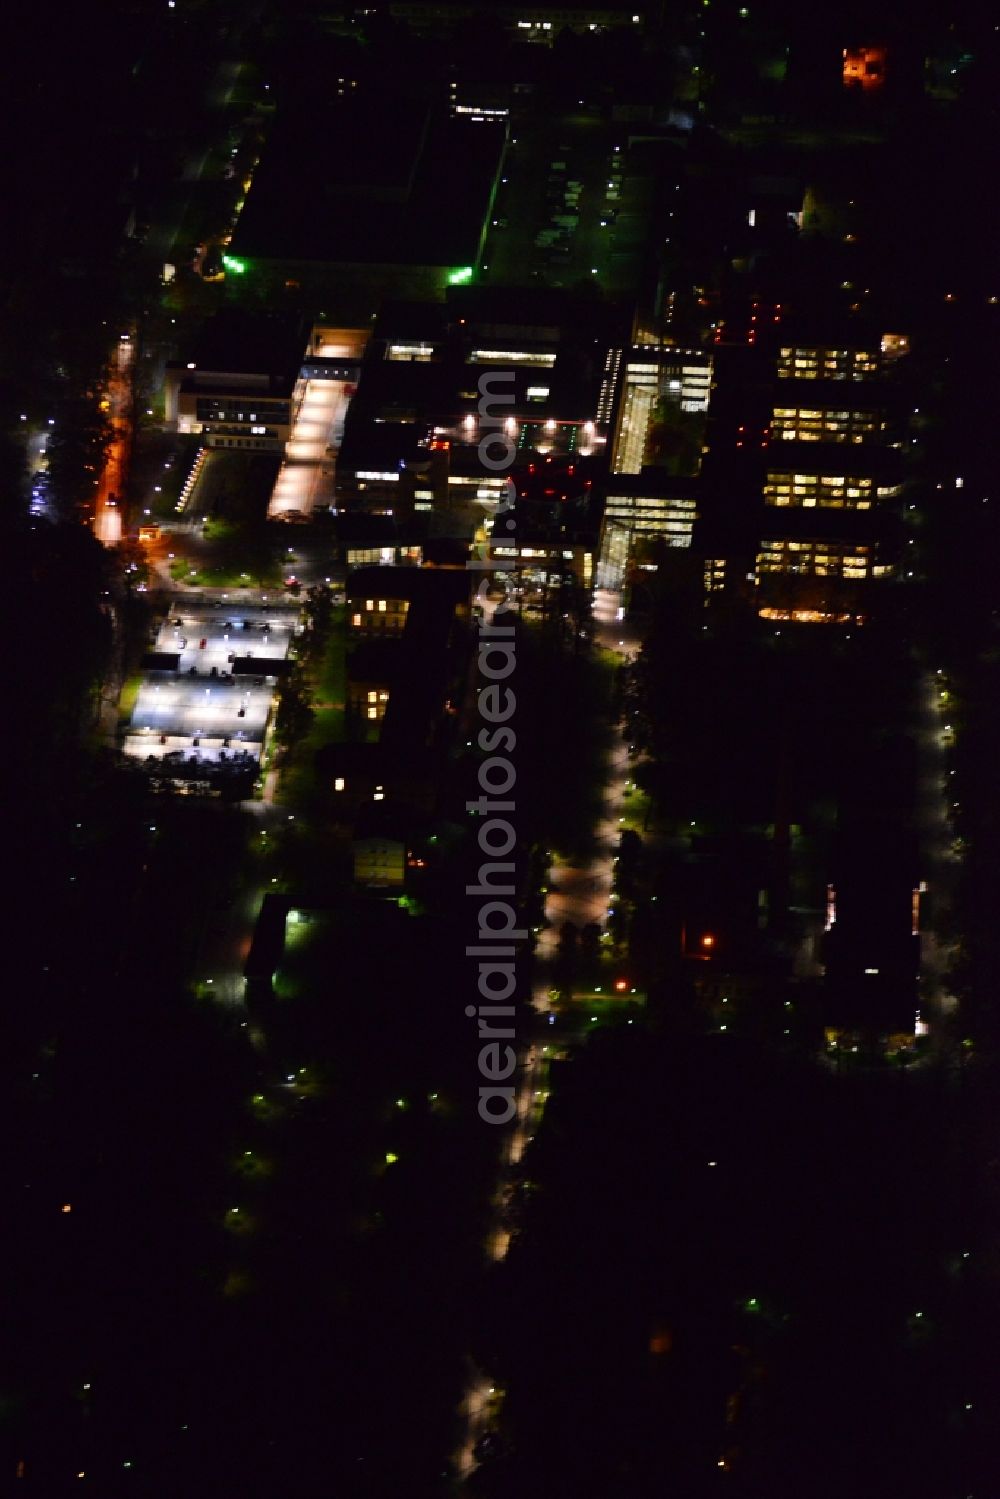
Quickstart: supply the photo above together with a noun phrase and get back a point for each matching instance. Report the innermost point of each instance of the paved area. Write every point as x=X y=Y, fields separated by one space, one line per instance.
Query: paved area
x=184 y=708
x=209 y=639
x=569 y=210
x=202 y=710
x=579 y=893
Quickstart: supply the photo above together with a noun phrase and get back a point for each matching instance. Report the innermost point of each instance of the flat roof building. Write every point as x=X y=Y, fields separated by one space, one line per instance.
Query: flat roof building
x=414 y=432
x=358 y=200
x=242 y=386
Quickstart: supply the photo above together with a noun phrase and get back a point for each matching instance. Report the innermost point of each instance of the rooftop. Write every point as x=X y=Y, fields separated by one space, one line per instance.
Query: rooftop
x=235 y=341
x=355 y=182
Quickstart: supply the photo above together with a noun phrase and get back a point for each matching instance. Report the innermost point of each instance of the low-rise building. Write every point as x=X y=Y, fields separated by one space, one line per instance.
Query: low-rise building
x=353 y=202
x=243 y=385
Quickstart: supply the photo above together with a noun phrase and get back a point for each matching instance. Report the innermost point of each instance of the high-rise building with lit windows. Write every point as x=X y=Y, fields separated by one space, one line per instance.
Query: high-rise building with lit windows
x=815 y=423
x=820 y=362
x=803 y=475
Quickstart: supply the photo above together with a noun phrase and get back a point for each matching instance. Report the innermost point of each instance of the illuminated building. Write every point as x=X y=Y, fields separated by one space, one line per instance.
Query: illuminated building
x=651 y=508
x=369 y=684
x=817 y=558
x=539 y=561
x=814 y=488
x=530 y=23
x=802 y=479
x=828 y=451
x=825 y=363
x=655 y=382
x=864 y=67
x=406 y=667
x=814 y=424
x=374 y=614
x=415 y=438
x=658 y=395
x=243 y=384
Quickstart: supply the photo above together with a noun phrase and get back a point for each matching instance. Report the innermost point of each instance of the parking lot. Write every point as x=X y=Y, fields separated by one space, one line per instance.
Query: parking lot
x=200 y=711
x=207 y=639
x=566 y=210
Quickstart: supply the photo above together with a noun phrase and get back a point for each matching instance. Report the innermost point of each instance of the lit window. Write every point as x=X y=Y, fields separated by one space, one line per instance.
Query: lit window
x=338 y=784
x=373 y=697
x=381 y=606
x=373 y=713
x=356 y=620
x=369 y=604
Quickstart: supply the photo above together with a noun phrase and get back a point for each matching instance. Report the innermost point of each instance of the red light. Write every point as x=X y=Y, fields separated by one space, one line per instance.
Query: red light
x=621 y=985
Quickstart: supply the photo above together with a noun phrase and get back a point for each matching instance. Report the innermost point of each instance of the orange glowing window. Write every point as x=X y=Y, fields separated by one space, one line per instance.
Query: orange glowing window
x=864 y=67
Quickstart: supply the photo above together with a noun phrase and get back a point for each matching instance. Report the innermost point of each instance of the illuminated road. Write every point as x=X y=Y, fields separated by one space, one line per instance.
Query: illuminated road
x=111 y=487
x=938 y=848
x=306 y=477
x=578 y=893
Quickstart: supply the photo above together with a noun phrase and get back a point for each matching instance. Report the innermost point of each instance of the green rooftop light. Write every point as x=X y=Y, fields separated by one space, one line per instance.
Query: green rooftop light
x=459 y=277
x=232 y=263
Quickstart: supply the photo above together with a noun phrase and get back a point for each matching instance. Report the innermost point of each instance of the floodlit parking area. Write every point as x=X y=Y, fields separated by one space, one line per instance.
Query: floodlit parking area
x=219 y=710
x=201 y=712
x=210 y=640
